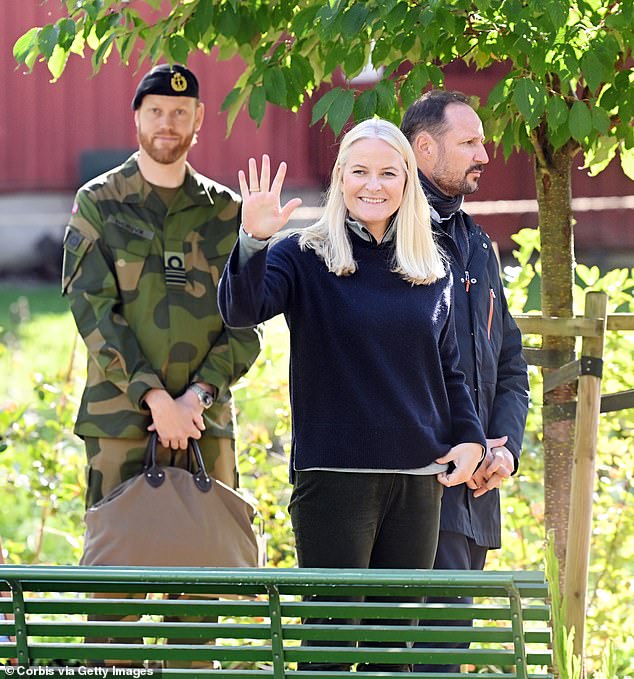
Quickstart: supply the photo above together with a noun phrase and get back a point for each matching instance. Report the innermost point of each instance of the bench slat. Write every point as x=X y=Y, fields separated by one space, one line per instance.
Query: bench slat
x=259 y=619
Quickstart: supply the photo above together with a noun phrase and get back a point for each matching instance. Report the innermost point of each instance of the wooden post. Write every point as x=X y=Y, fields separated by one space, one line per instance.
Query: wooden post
x=585 y=450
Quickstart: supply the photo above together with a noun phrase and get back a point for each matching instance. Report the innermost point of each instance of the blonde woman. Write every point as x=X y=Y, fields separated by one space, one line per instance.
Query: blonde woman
x=379 y=409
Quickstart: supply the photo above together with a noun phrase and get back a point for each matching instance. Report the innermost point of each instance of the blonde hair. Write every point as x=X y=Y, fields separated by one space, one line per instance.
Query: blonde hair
x=417 y=258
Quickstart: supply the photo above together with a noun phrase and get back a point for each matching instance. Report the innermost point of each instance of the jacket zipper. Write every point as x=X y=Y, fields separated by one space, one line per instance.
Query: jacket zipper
x=491 y=298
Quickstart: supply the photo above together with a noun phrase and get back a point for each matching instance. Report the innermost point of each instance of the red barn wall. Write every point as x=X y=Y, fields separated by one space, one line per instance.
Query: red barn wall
x=45 y=127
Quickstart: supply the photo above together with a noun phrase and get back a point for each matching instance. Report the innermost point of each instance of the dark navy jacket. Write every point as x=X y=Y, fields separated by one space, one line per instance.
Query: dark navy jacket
x=490 y=348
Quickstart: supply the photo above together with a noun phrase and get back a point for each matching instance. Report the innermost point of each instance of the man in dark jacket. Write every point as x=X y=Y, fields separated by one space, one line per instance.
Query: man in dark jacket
x=448 y=141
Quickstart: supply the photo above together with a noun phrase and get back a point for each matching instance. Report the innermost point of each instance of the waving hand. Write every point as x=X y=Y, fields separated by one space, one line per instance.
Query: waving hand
x=262 y=215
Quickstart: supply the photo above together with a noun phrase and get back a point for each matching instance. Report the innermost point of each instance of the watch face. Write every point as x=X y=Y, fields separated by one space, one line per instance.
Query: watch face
x=206 y=399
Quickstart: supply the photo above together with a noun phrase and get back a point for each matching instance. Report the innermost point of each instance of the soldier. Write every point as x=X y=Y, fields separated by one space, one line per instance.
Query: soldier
x=143 y=253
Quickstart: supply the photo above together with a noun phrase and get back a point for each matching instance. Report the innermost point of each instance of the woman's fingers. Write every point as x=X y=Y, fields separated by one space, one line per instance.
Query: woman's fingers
x=261 y=199
x=254 y=184
x=265 y=178
x=288 y=209
x=244 y=189
x=276 y=187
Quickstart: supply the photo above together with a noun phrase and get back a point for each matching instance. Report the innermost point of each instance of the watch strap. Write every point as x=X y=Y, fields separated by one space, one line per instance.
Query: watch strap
x=205 y=397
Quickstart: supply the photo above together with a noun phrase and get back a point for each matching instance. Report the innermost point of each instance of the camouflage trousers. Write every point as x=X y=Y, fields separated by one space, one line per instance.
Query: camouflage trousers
x=112 y=461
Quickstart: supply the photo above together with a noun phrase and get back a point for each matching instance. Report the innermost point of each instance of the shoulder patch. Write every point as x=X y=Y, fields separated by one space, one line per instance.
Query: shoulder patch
x=74 y=241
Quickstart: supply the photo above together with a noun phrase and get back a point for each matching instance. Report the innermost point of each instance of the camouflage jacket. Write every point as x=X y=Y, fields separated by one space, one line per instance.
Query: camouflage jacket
x=142 y=280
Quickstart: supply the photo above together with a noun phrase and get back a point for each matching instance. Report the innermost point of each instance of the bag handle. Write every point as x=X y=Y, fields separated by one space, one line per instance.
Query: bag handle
x=202 y=480
x=155 y=476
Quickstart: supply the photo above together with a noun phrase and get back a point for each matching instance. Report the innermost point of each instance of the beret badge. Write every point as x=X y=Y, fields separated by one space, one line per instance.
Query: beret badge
x=178 y=82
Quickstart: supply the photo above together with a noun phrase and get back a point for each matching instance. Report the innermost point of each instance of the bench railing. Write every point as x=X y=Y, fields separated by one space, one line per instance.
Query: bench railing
x=262 y=622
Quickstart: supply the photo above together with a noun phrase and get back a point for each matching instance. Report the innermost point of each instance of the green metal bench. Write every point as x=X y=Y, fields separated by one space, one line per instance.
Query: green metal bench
x=259 y=632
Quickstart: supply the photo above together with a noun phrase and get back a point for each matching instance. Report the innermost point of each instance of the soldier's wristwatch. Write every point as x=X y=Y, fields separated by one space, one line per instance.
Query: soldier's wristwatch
x=206 y=398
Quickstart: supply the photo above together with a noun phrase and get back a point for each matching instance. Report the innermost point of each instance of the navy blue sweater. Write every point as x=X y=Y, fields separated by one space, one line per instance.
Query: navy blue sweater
x=373 y=375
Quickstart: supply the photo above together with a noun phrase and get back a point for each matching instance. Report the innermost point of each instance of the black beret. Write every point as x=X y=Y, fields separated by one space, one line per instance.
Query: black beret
x=169 y=81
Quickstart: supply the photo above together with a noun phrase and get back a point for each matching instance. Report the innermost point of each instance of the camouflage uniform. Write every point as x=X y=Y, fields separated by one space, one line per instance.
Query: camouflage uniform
x=142 y=279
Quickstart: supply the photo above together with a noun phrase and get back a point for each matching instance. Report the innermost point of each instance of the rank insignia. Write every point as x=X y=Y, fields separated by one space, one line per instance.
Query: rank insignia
x=174 y=263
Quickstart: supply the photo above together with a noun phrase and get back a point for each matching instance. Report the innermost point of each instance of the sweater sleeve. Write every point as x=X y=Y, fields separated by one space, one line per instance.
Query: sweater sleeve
x=465 y=424
x=258 y=289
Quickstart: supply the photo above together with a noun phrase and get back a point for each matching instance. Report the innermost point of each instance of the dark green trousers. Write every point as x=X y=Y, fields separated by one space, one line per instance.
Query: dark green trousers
x=364 y=520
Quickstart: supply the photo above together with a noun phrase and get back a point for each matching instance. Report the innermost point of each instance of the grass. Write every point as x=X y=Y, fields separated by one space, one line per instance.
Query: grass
x=38 y=332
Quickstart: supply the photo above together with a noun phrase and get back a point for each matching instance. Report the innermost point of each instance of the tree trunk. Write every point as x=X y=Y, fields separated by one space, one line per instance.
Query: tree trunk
x=552 y=173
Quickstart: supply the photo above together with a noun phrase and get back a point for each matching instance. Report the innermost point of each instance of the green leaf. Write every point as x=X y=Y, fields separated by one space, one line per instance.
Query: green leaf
x=560 y=136
x=389 y=69
x=57 y=62
x=556 y=112
x=302 y=66
x=102 y=52
x=228 y=21
x=380 y=51
x=396 y=17
x=386 y=98
x=67 y=30
x=92 y=9
x=233 y=104
x=354 y=61
x=557 y=12
x=107 y=23
x=414 y=84
x=231 y=98
x=25 y=45
x=354 y=19
x=580 y=121
x=321 y=108
x=530 y=99
x=610 y=98
x=600 y=119
x=435 y=75
x=304 y=20
x=334 y=57
x=47 y=39
x=275 y=86
x=407 y=43
x=125 y=46
x=593 y=70
x=296 y=88
x=627 y=161
x=365 y=105
x=509 y=138
x=500 y=92
x=340 y=110
x=179 y=48
x=199 y=22
x=600 y=154
x=248 y=28
x=257 y=104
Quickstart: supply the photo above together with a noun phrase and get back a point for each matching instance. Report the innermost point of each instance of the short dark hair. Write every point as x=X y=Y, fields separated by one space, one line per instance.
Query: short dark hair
x=428 y=113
